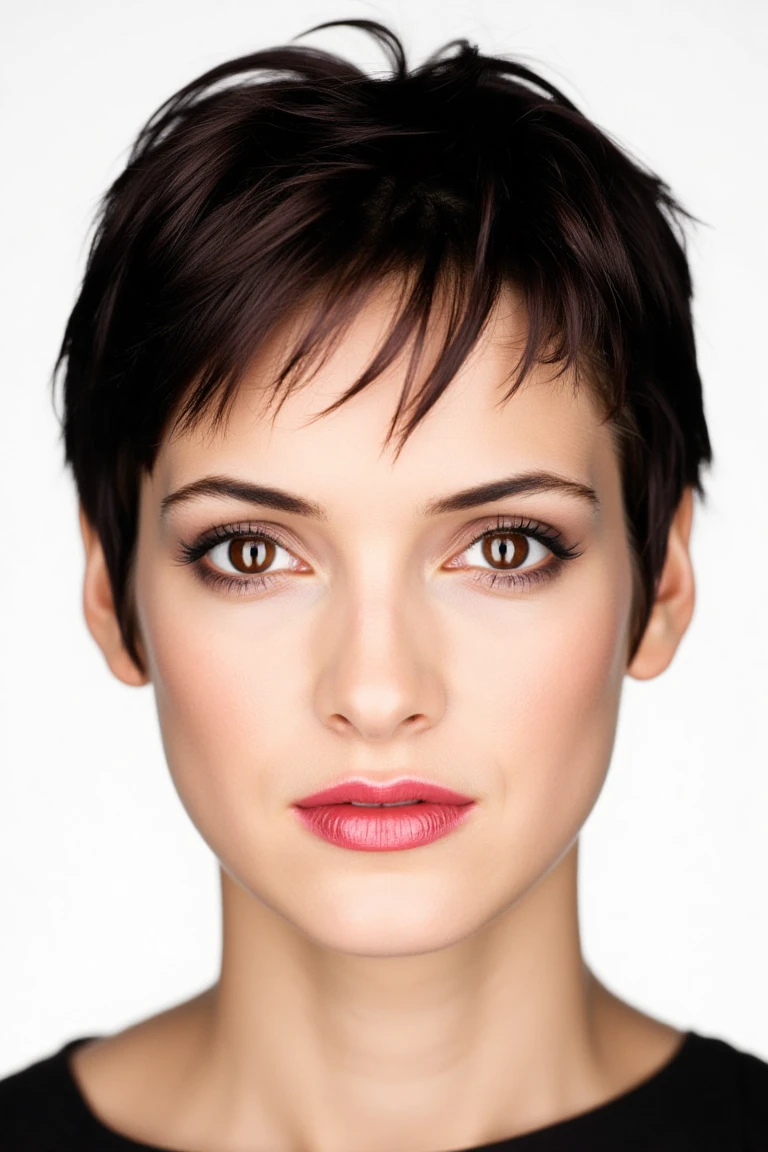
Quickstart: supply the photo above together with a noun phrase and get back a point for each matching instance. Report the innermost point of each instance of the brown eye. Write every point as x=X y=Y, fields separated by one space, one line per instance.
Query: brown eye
x=508 y=549
x=505 y=550
x=249 y=555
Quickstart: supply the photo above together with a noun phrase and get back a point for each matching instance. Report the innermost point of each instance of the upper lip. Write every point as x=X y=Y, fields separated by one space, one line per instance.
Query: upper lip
x=393 y=791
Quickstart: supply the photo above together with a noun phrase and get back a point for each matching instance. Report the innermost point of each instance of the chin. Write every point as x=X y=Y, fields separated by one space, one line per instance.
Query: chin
x=365 y=927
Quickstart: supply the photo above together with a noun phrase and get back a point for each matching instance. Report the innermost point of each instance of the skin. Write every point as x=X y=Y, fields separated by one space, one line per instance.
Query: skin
x=428 y=999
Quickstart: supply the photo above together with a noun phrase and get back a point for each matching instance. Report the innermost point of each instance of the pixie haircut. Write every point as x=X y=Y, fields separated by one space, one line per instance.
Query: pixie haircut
x=289 y=178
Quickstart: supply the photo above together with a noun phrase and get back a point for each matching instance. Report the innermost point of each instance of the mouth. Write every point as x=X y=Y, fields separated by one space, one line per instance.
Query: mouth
x=368 y=817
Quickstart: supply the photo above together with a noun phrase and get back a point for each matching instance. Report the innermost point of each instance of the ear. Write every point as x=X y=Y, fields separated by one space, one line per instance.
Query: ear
x=675 y=599
x=99 y=609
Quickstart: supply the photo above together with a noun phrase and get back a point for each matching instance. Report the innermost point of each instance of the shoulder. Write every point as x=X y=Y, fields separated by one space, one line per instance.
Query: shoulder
x=729 y=1087
x=39 y=1108
x=706 y=1087
x=96 y=1092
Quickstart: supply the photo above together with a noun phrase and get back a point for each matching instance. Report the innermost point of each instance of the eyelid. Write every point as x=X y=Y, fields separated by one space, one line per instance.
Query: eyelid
x=222 y=533
x=546 y=534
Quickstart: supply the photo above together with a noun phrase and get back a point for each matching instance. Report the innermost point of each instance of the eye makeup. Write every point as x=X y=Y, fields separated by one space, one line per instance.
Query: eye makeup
x=196 y=553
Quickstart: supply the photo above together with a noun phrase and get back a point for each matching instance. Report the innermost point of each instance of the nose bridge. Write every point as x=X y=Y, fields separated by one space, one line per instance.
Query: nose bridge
x=380 y=649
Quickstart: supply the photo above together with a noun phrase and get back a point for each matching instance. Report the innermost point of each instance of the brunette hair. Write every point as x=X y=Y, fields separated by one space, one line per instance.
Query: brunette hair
x=289 y=176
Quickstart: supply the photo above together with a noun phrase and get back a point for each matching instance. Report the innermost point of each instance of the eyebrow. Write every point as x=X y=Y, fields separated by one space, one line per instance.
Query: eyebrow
x=521 y=484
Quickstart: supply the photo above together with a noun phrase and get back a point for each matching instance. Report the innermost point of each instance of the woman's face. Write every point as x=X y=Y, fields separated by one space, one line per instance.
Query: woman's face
x=381 y=647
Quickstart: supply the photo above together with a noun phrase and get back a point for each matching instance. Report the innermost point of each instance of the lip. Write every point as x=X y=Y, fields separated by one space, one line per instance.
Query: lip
x=425 y=813
x=389 y=792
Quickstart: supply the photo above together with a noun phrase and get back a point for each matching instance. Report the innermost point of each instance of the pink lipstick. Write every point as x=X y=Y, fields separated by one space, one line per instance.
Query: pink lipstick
x=405 y=813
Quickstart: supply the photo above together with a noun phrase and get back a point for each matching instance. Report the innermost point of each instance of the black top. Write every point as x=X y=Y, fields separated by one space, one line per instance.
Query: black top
x=710 y=1097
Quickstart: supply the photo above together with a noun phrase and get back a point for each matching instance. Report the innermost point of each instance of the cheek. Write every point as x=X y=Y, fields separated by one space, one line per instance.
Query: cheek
x=575 y=695
x=223 y=688
x=544 y=703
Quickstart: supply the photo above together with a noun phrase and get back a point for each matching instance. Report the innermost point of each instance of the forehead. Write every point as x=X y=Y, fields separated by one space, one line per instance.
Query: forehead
x=468 y=435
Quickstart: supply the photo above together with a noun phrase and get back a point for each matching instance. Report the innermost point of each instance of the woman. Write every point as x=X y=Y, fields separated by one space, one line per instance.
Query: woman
x=387 y=673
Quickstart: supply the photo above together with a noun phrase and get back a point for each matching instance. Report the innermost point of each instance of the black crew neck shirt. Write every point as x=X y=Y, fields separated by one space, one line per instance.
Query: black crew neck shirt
x=709 y=1097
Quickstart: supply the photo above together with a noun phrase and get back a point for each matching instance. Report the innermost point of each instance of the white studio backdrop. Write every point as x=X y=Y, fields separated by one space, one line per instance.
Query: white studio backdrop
x=108 y=895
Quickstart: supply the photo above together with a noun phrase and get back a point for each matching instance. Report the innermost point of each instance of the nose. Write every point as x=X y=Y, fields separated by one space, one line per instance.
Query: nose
x=381 y=673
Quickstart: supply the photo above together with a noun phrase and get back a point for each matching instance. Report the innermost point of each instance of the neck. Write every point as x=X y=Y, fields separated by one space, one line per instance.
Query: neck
x=497 y=1033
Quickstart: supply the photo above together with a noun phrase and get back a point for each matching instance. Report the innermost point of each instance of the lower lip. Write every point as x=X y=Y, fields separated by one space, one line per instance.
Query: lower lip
x=383 y=829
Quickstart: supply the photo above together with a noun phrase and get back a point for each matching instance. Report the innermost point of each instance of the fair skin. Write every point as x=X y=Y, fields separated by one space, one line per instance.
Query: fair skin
x=428 y=999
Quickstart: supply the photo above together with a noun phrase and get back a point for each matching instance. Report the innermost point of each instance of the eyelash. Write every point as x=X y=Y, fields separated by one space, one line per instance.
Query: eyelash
x=551 y=539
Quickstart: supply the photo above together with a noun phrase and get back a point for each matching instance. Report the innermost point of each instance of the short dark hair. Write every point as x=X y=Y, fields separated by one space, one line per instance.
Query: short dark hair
x=289 y=176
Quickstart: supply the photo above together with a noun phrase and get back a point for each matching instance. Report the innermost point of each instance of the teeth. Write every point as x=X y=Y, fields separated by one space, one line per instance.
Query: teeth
x=396 y=804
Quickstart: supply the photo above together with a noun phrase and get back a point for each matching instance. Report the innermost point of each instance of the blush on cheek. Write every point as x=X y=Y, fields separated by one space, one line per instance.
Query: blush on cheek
x=225 y=698
x=581 y=693
x=192 y=682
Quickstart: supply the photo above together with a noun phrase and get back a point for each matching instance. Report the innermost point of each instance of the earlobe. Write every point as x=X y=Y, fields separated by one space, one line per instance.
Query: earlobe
x=675 y=599
x=99 y=609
